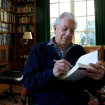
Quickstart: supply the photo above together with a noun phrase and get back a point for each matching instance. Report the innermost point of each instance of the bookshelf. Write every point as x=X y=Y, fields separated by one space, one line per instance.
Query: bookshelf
x=25 y=17
x=7 y=21
x=17 y=17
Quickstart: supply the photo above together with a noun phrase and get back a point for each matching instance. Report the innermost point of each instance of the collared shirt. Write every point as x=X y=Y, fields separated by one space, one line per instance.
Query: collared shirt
x=61 y=54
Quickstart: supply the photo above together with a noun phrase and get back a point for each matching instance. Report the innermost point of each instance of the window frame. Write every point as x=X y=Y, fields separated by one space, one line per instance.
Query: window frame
x=72 y=2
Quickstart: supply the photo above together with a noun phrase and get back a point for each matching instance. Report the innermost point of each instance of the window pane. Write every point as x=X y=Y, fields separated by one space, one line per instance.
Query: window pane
x=91 y=23
x=80 y=8
x=53 y=8
x=81 y=23
x=53 y=1
x=90 y=7
x=51 y=25
x=52 y=35
x=66 y=9
x=64 y=0
x=91 y=38
x=83 y=10
x=81 y=38
x=79 y=0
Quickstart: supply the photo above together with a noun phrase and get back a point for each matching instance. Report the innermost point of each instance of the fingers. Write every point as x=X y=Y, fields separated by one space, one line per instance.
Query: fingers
x=61 y=67
x=98 y=66
x=62 y=64
x=99 y=63
x=91 y=75
x=97 y=73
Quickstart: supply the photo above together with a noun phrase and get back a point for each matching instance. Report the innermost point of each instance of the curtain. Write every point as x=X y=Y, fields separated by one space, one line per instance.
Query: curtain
x=42 y=20
x=100 y=21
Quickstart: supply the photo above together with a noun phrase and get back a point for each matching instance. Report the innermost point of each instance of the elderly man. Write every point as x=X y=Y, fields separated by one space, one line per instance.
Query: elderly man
x=48 y=61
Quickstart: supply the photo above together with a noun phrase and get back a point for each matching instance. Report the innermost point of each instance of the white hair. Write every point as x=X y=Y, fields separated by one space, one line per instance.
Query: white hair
x=66 y=15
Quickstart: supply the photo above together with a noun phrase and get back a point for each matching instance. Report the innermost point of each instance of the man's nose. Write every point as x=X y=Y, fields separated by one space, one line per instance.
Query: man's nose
x=68 y=32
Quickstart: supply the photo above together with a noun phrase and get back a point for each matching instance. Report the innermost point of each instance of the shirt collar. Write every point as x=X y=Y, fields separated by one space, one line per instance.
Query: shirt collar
x=51 y=42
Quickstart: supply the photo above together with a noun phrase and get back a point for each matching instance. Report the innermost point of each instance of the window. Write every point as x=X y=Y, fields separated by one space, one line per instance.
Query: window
x=83 y=10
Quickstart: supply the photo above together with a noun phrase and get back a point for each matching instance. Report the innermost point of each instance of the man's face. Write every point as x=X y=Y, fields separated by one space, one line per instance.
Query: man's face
x=64 y=32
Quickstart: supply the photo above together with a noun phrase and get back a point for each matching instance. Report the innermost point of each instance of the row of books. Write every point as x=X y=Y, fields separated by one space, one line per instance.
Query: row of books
x=6 y=27
x=5 y=39
x=25 y=28
x=7 y=5
x=25 y=9
x=24 y=0
x=3 y=15
x=26 y=19
x=7 y=17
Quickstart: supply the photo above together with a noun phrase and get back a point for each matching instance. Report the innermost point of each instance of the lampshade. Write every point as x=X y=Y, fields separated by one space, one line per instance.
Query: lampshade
x=27 y=35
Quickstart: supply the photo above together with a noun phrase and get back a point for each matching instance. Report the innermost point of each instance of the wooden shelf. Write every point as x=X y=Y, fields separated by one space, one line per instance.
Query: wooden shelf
x=25 y=2
x=25 y=27
x=14 y=52
x=2 y=65
x=25 y=23
x=25 y=13
x=6 y=10
x=4 y=21
x=1 y=32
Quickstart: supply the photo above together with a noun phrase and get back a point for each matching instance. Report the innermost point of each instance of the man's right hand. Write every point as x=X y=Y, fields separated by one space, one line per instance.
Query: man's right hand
x=61 y=67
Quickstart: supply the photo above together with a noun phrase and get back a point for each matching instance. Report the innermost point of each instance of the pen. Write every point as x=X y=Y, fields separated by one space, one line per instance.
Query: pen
x=54 y=60
x=70 y=64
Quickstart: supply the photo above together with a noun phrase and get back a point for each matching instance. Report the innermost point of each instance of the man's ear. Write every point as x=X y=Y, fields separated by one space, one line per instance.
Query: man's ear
x=54 y=29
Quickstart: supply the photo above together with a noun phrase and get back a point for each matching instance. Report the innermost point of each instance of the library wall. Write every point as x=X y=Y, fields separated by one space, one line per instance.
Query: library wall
x=17 y=17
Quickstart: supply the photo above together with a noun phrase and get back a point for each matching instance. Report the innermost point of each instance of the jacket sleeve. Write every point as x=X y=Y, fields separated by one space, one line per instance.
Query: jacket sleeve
x=34 y=77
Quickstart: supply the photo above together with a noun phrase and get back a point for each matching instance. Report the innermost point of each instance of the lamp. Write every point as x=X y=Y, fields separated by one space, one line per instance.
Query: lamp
x=27 y=35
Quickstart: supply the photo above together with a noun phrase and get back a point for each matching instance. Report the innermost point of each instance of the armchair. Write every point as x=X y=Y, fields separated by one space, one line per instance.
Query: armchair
x=25 y=97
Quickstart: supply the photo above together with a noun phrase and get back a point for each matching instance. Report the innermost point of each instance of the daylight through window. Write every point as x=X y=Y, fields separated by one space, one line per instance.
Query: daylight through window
x=83 y=10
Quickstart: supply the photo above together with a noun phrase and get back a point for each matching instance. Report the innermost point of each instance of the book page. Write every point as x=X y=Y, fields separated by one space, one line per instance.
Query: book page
x=88 y=58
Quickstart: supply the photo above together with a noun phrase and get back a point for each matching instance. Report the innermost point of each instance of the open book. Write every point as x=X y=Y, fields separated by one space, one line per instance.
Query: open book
x=82 y=63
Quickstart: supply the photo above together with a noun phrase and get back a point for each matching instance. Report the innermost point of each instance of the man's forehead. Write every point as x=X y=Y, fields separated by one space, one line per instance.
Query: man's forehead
x=64 y=26
x=69 y=23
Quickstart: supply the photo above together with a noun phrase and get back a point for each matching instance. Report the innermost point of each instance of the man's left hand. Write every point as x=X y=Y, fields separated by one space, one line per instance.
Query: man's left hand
x=97 y=73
